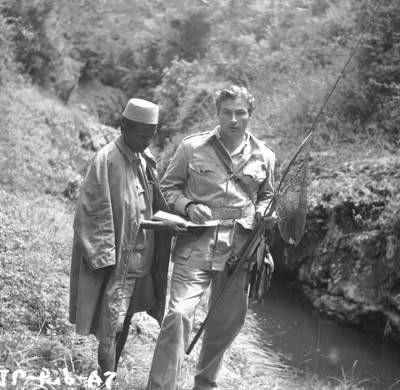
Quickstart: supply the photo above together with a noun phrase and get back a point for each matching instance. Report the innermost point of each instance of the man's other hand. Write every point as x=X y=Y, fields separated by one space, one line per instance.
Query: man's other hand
x=269 y=222
x=170 y=227
x=199 y=213
x=174 y=227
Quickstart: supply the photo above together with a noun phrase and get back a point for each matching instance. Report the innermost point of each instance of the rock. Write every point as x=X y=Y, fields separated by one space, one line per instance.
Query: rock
x=93 y=135
x=72 y=190
x=348 y=262
x=67 y=77
x=394 y=300
x=335 y=306
x=392 y=247
x=98 y=100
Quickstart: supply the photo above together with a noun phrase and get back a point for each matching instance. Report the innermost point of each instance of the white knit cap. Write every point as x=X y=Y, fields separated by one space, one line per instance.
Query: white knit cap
x=141 y=111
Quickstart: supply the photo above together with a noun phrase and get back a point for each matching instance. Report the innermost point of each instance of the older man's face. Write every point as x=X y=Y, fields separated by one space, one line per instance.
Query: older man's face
x=233 y=117
x=137 y=135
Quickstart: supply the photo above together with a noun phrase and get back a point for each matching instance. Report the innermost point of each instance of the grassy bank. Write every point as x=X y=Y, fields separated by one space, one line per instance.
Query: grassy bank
x=42 y=151
x=34 y=332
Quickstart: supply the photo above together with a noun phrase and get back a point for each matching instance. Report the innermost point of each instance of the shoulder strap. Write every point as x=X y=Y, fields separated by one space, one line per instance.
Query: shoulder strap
x=223 y=156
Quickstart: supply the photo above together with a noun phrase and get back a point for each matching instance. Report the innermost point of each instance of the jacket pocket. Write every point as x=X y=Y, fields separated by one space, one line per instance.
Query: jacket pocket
x=202 y=168
x=203 y=178
x=255 y=170
x=185 y=243
x=253 y=175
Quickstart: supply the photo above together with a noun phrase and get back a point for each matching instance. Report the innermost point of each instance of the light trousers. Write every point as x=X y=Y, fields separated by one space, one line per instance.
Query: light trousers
x=187 y=286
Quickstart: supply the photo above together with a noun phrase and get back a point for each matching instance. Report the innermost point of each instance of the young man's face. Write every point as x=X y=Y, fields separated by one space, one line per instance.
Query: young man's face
x=137 y=135
x=233 y=117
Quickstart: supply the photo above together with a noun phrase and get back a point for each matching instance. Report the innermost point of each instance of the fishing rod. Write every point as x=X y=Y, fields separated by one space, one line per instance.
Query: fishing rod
x=278 y=200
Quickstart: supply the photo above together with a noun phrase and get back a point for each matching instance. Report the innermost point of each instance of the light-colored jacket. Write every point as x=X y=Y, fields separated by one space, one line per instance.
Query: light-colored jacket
x=202 y=171
x=106 y=225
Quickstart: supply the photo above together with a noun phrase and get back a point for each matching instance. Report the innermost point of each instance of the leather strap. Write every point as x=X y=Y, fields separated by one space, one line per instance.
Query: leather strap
x=224 y=157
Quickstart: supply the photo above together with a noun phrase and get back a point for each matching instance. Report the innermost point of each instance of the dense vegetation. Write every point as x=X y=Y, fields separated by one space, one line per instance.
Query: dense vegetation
x=289 y=53
x=67 y=65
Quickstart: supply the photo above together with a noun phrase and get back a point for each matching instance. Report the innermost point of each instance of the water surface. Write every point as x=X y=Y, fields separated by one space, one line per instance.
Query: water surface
x=297 y=336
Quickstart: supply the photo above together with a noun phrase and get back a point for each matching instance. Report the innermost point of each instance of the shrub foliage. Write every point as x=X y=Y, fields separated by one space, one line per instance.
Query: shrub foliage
x=289 y=53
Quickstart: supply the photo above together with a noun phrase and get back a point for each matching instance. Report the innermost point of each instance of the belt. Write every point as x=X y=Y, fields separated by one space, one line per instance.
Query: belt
x=230 y=213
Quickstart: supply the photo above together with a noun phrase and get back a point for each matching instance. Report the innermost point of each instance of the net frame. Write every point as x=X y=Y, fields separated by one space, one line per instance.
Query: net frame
x=289 y=200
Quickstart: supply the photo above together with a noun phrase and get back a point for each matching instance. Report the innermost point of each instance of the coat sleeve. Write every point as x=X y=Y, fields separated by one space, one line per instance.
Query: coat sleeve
x=93 y=223
x=174 y=181
x=266 y=190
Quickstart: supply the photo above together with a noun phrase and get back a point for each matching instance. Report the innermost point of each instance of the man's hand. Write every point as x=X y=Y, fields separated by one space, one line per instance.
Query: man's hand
x=170 y=227
x=174 y=227
x=268 y=221
x=199 y=213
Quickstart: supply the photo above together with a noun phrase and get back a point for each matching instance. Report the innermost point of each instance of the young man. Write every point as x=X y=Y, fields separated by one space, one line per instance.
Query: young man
x=227 y=175
x=120 y=260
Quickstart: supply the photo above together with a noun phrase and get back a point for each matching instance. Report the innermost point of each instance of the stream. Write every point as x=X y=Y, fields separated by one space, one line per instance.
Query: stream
x=296 y=336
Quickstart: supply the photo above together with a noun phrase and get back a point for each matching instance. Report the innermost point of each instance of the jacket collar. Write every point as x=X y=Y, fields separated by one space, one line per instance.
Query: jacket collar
x=216 y=133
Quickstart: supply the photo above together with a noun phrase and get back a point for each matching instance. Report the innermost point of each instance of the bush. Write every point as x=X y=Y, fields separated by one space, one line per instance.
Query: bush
x=379 y=63
x=171 y=92
x=7 y=62
x=186 y=38
x=31 y=45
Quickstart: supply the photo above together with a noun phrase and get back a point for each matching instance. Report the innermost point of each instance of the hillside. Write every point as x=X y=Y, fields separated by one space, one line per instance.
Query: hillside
x=66 y=71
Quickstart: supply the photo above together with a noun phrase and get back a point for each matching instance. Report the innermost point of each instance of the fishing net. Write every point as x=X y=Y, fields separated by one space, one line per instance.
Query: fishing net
x=290 y=204
x=291 y=195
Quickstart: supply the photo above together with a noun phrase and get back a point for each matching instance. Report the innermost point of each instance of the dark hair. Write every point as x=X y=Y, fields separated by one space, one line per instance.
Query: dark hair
x=233 y=92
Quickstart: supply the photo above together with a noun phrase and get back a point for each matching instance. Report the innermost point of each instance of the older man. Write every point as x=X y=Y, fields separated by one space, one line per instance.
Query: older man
x=119 y=261
x=227 y=175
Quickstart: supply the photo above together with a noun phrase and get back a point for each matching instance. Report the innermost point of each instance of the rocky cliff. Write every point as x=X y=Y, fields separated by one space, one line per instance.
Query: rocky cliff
x=348 y=262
